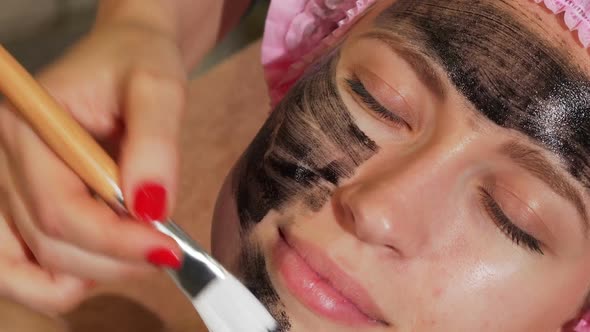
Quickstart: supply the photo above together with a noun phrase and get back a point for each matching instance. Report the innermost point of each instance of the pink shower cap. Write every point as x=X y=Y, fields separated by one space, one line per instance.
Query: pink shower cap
x=298 y=31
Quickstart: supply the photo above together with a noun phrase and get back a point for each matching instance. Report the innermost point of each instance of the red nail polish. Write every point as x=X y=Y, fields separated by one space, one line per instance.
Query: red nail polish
x=150 y=202
x=164 y=258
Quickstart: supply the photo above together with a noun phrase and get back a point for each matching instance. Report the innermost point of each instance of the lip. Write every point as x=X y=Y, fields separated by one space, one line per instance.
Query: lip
x=322 y=286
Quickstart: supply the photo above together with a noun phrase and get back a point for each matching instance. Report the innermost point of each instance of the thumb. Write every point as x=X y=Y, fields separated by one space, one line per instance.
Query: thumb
x=149 y=164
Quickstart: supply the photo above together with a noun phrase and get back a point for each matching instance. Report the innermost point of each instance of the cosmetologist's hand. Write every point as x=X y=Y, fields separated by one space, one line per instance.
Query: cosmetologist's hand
x=125 y=83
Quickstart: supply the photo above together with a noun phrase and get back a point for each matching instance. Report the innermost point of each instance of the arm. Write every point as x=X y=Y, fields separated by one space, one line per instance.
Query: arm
x=196 y=25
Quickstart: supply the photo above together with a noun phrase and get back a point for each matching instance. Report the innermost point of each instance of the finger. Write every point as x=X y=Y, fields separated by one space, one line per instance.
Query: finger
x=95 y=228
x=24 y=281
x=93 y=103
x=149 y=164
x=63 y=257
x=67 y=259
x=40 y=171
x=12 y=245
x=7 y=124
x=87 y=228
x=43 y=291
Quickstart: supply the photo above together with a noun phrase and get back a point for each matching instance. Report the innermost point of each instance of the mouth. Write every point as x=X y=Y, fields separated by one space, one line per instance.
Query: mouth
x=322 y=286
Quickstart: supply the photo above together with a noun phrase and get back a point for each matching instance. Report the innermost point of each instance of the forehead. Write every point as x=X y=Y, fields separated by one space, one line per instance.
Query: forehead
x=499 y=59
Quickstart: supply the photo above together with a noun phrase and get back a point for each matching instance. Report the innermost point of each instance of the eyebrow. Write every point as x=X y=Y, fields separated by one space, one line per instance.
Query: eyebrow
x=540 y=167
x=419 y=62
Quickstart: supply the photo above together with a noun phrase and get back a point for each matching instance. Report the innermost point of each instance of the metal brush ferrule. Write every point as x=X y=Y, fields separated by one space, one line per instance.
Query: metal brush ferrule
x=198 y=267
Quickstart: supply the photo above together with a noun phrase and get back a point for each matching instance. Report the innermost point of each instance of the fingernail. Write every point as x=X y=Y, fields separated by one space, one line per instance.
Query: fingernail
x=150 y=201
x=164 y=258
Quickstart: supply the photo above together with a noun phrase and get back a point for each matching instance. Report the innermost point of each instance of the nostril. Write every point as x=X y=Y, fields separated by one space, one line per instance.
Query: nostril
x=343 y=212
x=391 y=250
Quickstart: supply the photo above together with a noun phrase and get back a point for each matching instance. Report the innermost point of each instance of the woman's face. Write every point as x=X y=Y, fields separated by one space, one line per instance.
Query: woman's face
x=431 y=174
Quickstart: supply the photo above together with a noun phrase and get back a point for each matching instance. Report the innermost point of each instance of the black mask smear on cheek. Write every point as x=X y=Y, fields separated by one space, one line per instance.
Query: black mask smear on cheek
x=507 y=71
x=307 y=146
x=255 y=276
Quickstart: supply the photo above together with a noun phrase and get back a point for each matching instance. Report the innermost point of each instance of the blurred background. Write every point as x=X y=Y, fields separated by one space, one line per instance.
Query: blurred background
x=37 y=31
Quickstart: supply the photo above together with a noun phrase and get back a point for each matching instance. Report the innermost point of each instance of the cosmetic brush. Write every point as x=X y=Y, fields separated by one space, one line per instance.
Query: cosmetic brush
x=224 y=304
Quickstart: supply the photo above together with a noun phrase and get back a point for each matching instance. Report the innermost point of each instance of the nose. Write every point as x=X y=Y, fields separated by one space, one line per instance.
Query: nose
x=396 y=209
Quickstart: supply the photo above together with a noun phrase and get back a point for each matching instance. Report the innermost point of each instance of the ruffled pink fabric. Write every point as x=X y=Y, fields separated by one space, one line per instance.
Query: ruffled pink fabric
x=297 y=32
x=576 y=16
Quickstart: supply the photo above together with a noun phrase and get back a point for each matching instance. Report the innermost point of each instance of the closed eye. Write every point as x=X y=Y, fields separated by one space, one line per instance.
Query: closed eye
x=513 y=232
x=368 y=101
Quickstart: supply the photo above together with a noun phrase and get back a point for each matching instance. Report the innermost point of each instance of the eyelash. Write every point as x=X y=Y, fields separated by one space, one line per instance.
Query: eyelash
x=517 y=235
x=359 y=89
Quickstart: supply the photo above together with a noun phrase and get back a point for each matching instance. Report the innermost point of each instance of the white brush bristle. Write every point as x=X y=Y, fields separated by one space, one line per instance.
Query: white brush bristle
x=228 y=306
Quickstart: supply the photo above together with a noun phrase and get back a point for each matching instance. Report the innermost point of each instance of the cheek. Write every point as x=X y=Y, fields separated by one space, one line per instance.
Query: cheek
x=497 y=290
x=225 y=233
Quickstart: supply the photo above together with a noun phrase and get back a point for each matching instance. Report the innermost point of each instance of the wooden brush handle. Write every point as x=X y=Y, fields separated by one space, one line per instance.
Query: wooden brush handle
x=59 y=130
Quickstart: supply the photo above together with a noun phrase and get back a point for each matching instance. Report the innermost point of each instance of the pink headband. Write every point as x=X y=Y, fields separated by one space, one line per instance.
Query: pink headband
x=576 y=17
